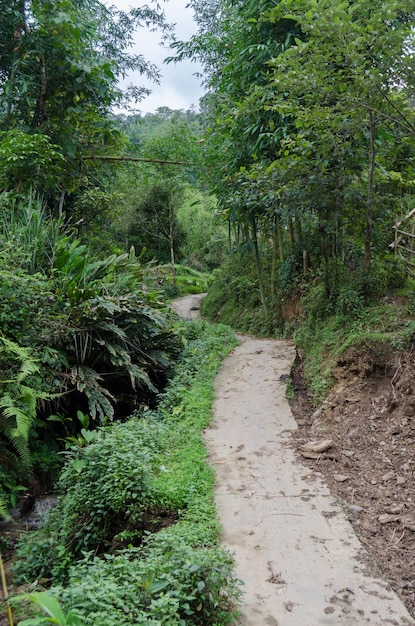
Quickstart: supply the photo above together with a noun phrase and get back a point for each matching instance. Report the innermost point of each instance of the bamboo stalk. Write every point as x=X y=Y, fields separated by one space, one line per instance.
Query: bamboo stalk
x=5 y=592
x=410 y=214
x=104 y=157
x=403 y=232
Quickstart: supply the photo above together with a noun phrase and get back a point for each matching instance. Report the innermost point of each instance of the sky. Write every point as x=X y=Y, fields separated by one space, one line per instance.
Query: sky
x=179 y=87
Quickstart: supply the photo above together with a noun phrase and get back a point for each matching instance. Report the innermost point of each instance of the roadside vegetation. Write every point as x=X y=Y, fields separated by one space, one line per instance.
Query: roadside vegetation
x=289 y=198
x=136 y=511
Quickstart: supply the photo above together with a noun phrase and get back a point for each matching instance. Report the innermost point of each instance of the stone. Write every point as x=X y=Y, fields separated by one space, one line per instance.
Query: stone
x=340 y=478
x=387 y=518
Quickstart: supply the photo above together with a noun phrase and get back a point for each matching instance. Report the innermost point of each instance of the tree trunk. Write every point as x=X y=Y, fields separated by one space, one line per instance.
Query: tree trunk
x=369 y=203
x=280 y=240
x=171 y=241
x=274 y=257
x=61 y=202
x=325 y=245
x=258 y=264
x=291 y=233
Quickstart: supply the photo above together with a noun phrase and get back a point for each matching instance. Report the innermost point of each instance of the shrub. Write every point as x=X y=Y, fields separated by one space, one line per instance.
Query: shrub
x=128 y=473
x=84 y=317
x=162 y=582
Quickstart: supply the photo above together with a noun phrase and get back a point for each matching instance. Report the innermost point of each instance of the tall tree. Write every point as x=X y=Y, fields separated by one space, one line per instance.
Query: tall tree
x=347 y=84
x=307 y=104
x=236 y=44
x=60 y=64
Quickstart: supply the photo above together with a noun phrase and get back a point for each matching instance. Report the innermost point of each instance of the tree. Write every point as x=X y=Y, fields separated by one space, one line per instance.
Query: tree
x=308 y=103
x=347 y=86
x=60 y=64
x=236 y=44
x=154 y=190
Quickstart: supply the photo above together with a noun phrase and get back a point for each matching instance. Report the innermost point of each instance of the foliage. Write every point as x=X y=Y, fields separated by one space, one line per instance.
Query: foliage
x=234 y=298
x=153 y=191
x=90 y=321
x=49 y=605
x=20 y=394
x=155 y=227
x=164 y=581
x=128 y=474
x=60 y=67
x=28 y=161
x=186 y=280
x=18 y=397
x=309 y=139
x=205 y=244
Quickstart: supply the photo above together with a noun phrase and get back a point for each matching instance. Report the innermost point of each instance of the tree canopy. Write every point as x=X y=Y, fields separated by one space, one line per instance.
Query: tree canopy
x=60 y=64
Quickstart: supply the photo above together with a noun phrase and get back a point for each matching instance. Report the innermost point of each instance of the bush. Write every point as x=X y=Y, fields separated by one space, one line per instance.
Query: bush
x=84 y=317
x=132 y=473
x=162 y=582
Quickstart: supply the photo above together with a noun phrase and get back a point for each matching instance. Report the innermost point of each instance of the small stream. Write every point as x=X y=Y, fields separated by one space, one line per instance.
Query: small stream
x=30 y=513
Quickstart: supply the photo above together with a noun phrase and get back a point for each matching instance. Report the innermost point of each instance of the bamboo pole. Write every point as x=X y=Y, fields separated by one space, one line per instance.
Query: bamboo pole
x=5 y=592
x=105 y=157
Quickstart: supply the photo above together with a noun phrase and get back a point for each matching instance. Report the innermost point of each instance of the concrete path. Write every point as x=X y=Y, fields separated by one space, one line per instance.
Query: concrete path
x=294 y=549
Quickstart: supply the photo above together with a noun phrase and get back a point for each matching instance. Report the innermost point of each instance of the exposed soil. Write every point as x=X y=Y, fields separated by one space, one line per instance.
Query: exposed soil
x=370 y=418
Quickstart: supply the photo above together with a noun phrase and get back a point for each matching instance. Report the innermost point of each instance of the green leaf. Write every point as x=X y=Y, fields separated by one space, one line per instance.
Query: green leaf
x=158 y=586
x=50 y=605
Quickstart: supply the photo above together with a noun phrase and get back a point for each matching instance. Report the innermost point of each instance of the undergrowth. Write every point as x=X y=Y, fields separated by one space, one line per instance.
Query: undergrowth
x=97 y=547
x=380 y=329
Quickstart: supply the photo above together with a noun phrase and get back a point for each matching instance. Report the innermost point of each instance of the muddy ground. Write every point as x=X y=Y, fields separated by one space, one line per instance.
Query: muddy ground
x=370 y=417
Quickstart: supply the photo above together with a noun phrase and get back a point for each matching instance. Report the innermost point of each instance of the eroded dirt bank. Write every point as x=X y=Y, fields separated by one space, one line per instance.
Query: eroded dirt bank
x=370 y=418
x=294 y=547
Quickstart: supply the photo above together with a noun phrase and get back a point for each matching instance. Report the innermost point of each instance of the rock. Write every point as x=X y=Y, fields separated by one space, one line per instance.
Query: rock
x=387 y=518
x=355 y=508
x=307 y=454
x=316 y=414
x=396 y=430
x=317 y=446
x=348 y=453
x=369 y=527
x=388 y=476
x=409 y=523
x=341 y=478
x=401 y=480
x=395 y=509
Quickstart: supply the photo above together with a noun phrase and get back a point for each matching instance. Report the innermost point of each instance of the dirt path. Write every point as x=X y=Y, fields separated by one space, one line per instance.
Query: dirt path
x=294 y=548
x=301 y=563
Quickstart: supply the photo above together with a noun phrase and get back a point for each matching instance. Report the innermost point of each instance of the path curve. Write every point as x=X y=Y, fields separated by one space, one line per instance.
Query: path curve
x=295 y=551
x=188 y=307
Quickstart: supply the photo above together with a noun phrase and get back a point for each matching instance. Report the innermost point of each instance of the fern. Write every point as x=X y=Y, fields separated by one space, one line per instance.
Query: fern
x=17 y=400
x=4 y=513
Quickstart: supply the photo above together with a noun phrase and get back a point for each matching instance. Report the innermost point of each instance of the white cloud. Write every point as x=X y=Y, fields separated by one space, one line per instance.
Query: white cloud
x=179 y=87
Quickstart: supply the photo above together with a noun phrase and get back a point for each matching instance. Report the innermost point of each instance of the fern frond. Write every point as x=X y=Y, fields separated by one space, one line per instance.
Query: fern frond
x=10 y=350
x=19 y=418
x=4 y=513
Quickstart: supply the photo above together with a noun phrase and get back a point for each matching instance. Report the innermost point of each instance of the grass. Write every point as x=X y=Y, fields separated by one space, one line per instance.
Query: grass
x=188 y=280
